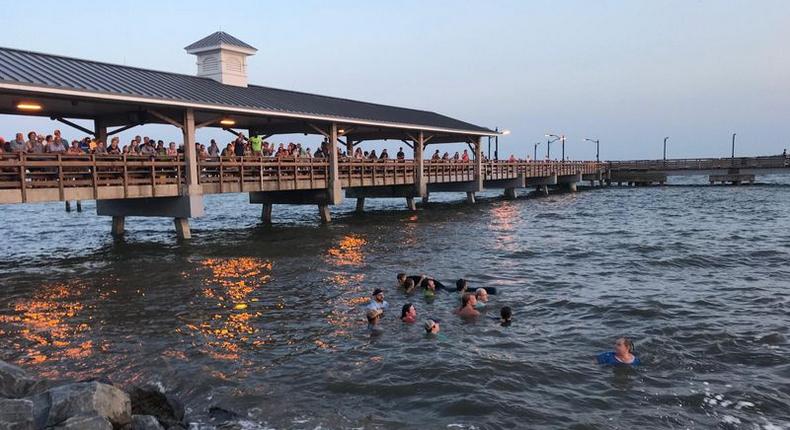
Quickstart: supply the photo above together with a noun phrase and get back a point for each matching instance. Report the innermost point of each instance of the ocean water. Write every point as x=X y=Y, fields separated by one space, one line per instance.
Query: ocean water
x=268 y=321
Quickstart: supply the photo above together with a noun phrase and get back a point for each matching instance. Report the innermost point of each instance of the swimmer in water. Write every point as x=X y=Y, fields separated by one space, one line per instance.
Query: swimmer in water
x=408 y=314
x=377 y=301
x=461 y=285
x=505 y=315
x=467 y=309
x=430 y=290
x=431 y=327
x=623 y=354
x=403 y=279
x=409 y=285
x=482 y=298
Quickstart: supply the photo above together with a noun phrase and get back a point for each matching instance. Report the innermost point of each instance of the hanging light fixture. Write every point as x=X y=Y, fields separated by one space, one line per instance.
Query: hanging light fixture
x=28 y=106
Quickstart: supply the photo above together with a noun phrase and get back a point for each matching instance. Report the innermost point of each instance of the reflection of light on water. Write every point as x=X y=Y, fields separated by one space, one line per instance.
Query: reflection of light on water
x=348 y=251
x=231 y=330
x=502 y=223
x=48 y=324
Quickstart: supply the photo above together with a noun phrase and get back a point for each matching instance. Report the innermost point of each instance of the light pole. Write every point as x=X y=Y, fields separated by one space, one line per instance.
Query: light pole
x=536 y=151
x=733 y=145
x=549 y=142
x=597 y=148
x=496 y=142
x=665 y=148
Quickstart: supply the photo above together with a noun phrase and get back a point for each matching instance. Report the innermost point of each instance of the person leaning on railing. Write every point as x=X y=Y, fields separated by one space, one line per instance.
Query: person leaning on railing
x=114 y=149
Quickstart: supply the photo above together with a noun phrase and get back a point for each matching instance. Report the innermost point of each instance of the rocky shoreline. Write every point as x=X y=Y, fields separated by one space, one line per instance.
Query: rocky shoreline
x=30 y=403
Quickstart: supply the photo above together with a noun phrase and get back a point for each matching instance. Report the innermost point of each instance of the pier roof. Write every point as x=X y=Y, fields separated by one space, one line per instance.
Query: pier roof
x=111 y=89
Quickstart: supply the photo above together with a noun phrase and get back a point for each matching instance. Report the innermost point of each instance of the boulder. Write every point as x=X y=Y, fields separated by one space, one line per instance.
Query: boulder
x=14 y=381
x=16 y=414
x=145 y=422
x=149 y=400
x=85 y=423
x=89 y=399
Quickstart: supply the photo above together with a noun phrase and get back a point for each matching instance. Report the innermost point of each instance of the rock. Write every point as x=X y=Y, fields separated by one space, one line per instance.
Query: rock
x=89 y=399
x=41 y=404
x=85 y=423
x=219 y=413
x=149 y=400
x=145 y=422
x=16 y=414
x=15 y=382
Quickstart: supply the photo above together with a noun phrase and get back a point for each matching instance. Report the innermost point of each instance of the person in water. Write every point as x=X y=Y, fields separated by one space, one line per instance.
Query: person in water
x=482 y=298
x=378 y=302
x=623 y=354
x=409 y=285
x=408 y=314
x=467 y=309
x=432 y=327
x=461 y=285
x=505 y=316
x=429 y=293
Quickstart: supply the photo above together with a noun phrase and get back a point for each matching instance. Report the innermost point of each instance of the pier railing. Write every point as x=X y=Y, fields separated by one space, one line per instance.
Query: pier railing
x=61 y=172
x=768 y=162
x=236 y=174
x=46 y=177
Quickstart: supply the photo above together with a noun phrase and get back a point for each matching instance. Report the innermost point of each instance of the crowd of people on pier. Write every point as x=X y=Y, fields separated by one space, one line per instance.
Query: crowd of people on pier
x=472 y=304
x=241 y=146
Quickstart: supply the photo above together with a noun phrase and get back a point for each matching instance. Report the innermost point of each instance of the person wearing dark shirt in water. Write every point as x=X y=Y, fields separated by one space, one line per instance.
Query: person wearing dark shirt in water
x=505 y=316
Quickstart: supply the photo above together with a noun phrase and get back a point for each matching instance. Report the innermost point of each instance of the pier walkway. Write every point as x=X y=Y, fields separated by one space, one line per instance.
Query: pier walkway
x=734 y=170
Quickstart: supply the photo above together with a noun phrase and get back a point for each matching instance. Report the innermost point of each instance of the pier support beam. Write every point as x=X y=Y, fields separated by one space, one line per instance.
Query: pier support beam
x=510 y=193
x=335 y=187
x=68 y=205
x=182 y=228
x=118 y=226
x=183 y=207
x=266 y=213
x=323 y=212
x=360 y=204
x=426 y=198
x=570 y=187
x=410 y=204
x=470 y=197
x=542 y=190
x=420 y=183
x=79 y=205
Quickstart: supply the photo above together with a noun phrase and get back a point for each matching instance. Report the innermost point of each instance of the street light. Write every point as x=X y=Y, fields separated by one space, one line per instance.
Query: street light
x=549 y=142
x=733 y=145
x=597 y=148
x=665 y=148
x=535 y=157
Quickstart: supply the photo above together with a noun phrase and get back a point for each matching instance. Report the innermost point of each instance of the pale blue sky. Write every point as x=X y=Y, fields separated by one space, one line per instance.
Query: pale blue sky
x=627 y=72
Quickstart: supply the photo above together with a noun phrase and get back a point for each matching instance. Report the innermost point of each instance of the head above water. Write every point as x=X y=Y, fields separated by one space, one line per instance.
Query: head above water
x=408 y=310
x=623 y=345
x=378 y=295
x=505 y=313
x=468 y=299
x=461 y=285
x=401 y=276
x=431 y=326
x=408 y=283
x=482 y=295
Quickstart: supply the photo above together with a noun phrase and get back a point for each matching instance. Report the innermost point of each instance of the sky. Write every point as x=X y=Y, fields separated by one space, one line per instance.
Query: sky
x=628 y=73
